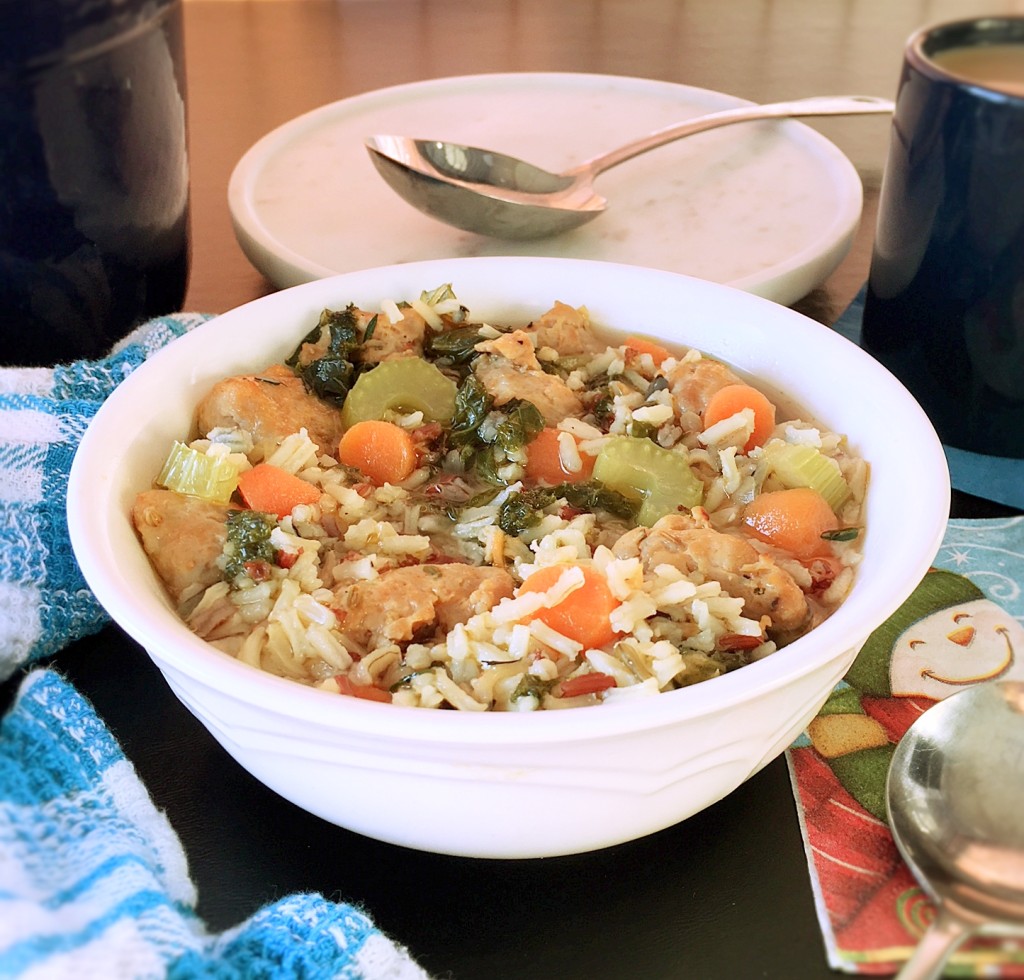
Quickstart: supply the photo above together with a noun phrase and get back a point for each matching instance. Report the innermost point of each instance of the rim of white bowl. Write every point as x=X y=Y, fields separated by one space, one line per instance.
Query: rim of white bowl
x=113 y=562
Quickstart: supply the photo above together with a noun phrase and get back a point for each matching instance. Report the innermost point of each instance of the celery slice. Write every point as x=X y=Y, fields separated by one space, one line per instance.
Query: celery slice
x=805 y=466
x=197 y=474
x=407 y=384
x=661 y=478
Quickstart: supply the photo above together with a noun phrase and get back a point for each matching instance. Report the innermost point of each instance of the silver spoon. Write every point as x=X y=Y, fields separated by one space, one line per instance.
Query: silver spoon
x=955 y=795
x=493 y=194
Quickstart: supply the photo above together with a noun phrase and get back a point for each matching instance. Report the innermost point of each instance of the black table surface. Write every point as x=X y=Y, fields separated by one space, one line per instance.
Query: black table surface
x=724 y=894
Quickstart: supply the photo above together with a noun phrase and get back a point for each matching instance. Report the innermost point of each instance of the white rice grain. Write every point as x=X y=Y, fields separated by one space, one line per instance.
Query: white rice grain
x=548 y=637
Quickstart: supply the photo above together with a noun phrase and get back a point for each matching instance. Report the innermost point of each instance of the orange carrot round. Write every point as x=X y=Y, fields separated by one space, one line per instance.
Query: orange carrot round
x=365 y=691
x=584 y=615
x=734 y=398
x=544 y=461
x=793 y=520
x=275 y=491
x=382 y=451
x=642 y=345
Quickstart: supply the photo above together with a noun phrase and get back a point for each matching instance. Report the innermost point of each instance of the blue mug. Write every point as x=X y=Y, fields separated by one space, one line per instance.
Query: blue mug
x=945 y=299
x=94 y=180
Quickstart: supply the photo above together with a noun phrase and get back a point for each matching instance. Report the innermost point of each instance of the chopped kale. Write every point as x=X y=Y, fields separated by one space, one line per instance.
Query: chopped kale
x=642 y=430
x=456 y=346
x=523 y=509
x=520 y=426
x=331 y=376
x=343 y=333
x=406 y=679
x=604 y=411
x=531 y=686
x=248 y=540
x=520 y=511
x=842 y=534
x=486 y=448
x=593 y=496
x=485 y=463
x=472 y=405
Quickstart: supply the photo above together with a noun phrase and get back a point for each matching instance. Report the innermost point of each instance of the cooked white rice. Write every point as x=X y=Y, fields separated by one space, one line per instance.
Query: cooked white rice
x=674 y=628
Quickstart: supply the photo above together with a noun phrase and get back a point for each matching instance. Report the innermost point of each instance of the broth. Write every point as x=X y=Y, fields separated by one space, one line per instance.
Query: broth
x=998 y=66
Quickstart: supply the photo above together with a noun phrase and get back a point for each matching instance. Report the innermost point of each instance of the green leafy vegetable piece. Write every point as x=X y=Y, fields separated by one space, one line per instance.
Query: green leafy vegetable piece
x=520 y=426
x=643 y=430
x=531 y=686
x=472 y=405
x=197 y=474
x=331 y=376
x=248 y=540
x=456 y=346
x=519 y=511
x=343 y=334
x=604 y=411
x=660 y=478
x=522 y=510
x=842 y=534
x=406 y=384
x=437 y=295
x=594 y=496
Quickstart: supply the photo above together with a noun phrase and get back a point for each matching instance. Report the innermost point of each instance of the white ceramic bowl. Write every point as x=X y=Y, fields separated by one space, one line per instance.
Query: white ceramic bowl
x=475 y=784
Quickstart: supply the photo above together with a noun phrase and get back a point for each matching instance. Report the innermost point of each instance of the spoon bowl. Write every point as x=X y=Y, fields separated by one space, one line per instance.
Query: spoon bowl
x=500 y=196
x=955 y=796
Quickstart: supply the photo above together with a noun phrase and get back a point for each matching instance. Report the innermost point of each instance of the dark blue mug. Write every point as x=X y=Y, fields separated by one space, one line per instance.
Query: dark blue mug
x=94 y=181
x=945 y=300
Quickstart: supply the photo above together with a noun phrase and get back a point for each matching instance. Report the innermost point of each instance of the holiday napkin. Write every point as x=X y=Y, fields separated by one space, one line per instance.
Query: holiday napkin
x=963 y=624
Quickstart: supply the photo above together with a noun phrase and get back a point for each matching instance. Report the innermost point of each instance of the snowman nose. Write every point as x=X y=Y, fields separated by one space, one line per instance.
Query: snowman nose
x=961 y=636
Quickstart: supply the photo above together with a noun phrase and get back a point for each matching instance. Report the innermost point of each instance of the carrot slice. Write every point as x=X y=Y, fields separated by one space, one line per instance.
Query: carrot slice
x=275 y=491
x=642 y=345
x=793 y=520
x=584 y=615
x=365 y=691
x=382 y=451
x=734 y=398
x=544 y=460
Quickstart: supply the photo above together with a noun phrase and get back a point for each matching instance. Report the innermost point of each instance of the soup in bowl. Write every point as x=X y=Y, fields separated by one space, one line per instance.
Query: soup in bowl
x=571 y=490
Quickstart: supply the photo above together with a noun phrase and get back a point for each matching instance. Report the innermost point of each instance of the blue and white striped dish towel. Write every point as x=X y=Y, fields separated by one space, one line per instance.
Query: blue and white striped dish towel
x=93 y=880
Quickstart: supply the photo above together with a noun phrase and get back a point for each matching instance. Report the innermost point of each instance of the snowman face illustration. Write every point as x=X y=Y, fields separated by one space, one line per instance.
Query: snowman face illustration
x=951 y=648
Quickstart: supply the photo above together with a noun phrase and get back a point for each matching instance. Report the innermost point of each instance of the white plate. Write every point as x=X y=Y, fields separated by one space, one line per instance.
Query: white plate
x=769 y=207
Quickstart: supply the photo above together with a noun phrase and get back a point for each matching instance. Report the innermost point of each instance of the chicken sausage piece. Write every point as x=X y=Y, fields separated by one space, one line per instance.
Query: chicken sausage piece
x=742 y=571
x=183 y=537
x=270 y=406
x=693 y=382
x=508 y=369
x=416 y=601
x=566 y=329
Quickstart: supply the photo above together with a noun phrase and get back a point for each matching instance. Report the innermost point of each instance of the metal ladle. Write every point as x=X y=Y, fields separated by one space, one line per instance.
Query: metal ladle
x=497 y=195
x=955 y=795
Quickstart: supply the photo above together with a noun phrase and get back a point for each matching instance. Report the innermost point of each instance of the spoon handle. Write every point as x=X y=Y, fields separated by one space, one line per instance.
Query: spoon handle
x=940 y=940
x=832 y=105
